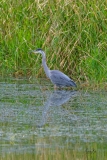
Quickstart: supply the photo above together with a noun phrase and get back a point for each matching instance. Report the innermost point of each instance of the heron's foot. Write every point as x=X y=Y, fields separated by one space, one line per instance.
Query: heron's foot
x=57 y=87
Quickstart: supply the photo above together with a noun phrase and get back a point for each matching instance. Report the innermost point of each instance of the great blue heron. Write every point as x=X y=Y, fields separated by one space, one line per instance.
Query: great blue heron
x=58 y=78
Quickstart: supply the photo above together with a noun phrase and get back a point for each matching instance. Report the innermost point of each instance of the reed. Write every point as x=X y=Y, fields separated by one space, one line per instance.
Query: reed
x=73 y=34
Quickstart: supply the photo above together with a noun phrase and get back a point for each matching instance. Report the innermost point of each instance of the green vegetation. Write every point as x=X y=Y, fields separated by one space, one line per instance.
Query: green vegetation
x=73 y=34
x=58 y=154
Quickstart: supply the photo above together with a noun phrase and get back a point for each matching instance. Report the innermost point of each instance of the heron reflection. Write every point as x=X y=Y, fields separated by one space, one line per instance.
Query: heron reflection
x=56 y=98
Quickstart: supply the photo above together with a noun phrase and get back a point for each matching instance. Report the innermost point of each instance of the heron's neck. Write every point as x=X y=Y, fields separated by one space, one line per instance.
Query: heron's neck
x=46 y=69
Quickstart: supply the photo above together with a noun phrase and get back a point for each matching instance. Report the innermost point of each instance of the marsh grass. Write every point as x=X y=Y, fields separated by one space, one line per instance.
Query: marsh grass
x=73 y=34
x=58 y=154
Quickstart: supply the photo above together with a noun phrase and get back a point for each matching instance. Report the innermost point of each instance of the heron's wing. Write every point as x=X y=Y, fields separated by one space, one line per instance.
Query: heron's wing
x=60 y=79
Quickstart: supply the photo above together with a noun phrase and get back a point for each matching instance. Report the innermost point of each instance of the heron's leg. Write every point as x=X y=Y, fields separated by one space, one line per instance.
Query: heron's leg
x=55 y=87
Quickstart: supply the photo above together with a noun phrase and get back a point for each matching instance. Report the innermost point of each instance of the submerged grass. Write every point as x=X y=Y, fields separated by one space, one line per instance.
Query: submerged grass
x=73 y=34
x=58 y=154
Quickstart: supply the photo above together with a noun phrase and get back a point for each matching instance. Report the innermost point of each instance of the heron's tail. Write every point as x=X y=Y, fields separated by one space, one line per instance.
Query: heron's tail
x=73 y=84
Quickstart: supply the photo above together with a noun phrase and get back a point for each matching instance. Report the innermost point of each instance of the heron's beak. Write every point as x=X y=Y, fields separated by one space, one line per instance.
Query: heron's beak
x=33 y=51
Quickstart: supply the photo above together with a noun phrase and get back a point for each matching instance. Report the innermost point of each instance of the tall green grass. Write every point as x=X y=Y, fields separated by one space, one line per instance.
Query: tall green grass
x=73 y=34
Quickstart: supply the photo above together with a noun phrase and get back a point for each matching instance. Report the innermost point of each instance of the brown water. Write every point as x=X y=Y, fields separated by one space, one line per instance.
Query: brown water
x=37 y=122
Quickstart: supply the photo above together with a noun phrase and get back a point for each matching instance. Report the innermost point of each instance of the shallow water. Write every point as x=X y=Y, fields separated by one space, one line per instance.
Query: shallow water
x=36 y=119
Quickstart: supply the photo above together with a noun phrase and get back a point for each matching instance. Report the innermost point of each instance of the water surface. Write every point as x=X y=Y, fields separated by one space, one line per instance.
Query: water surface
x=37 y=120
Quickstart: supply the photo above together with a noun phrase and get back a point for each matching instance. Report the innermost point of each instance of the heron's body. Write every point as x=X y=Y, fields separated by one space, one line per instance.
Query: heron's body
x=58 y=78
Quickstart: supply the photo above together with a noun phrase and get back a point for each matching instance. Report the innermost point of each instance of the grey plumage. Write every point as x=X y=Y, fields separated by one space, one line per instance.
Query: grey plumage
x=60 y=79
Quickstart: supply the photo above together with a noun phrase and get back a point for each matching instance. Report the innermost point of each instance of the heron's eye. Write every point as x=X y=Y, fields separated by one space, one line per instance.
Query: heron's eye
x=39 y=49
